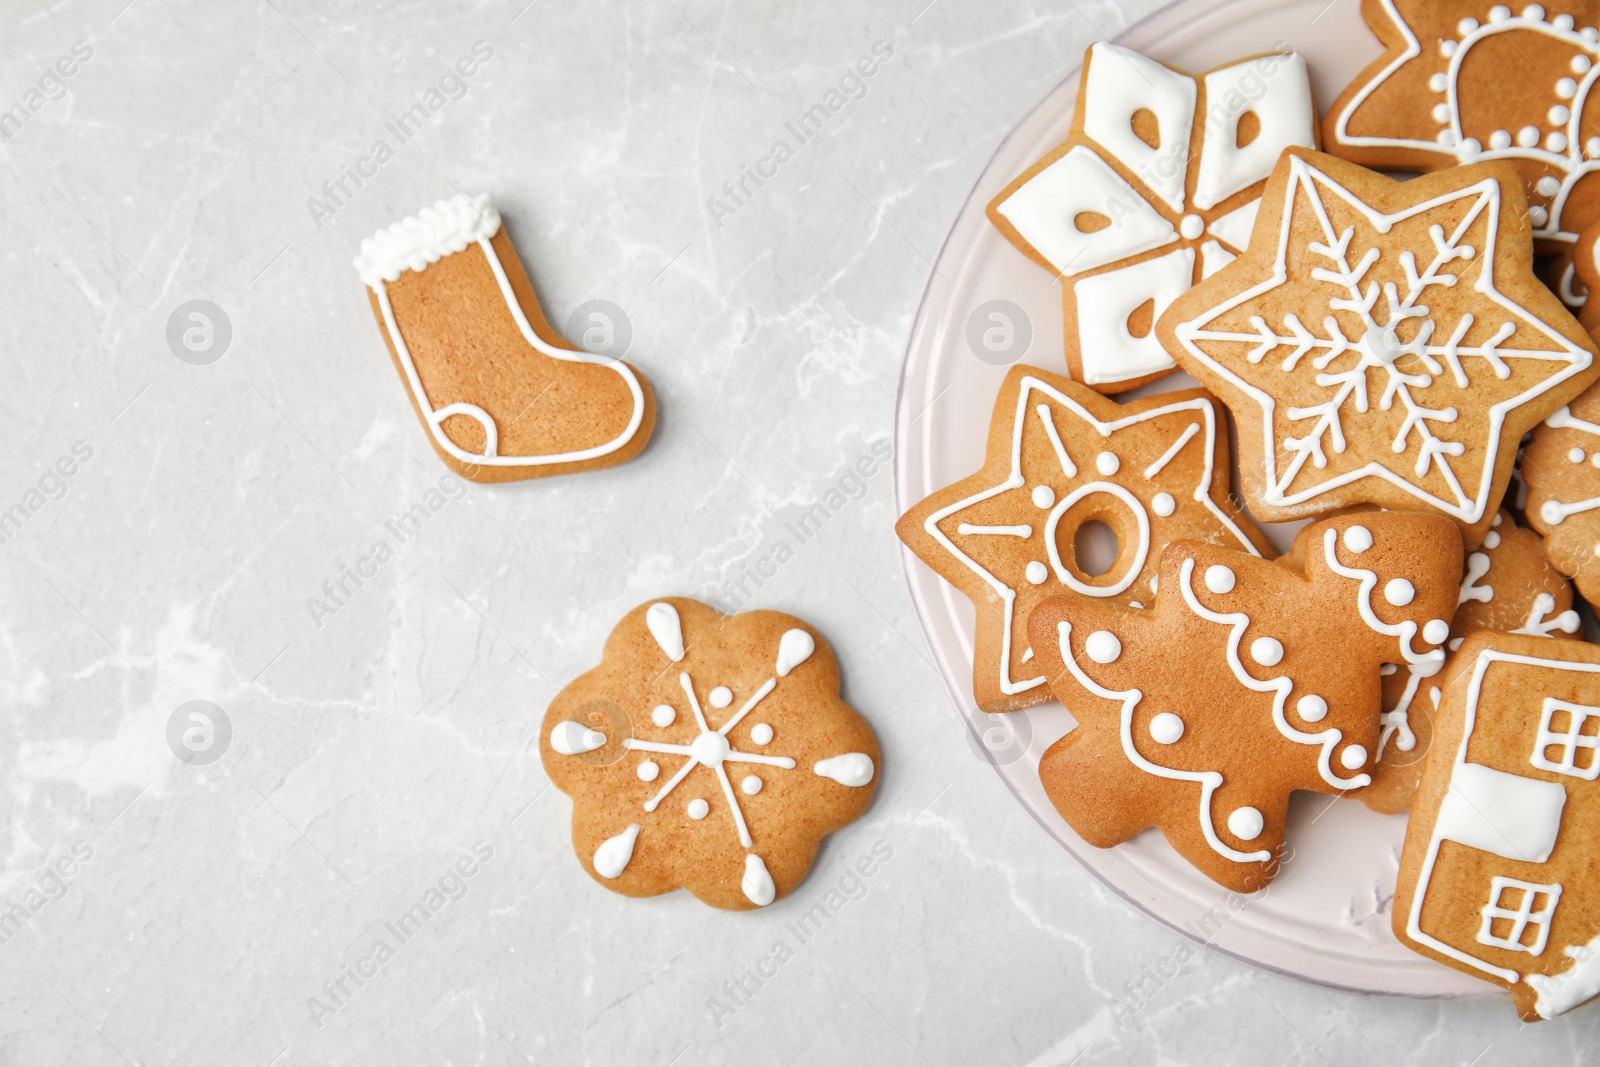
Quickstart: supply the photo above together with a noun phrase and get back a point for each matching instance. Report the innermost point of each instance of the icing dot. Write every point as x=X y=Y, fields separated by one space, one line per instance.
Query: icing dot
x=1562 y=22
x=1534 y=12
x=1043 y=496
x=1499 y=139
x=1556 y=141
x=1444 y=137
x=1312 y=708
x=648 y=770
x=1491 y=540
x=721 y=697
x=1580 y=62
x=1469 y=149
x=1559 y=115
x=1358 y=539
x=1439 y=82
x=1155 y=583
x=1037 y=572
x=1166 y=728
x=1499 y=13
x=1246 y=824
x=1550 y=512
x=1399 y=592
x=761 y=734
x=1107 y=463
x=1164 y=505
x=751 y=785
x=1528 y=136
x=1538 y=215
x=1267 y=651
x=1353 y=756
x=1103 y=646
x=1466 y=26
x=1454 y=645
x=1589 y=33
x=1219 y=579
x=698 y=809
x=1576 y=455
x=1441 y=112
x=1436 y=631
x=663 y=715
x=1447 y=48
x=1591 y=147
x=1595 y=459
x=1496 y=520
x=1566 y=89
x=1548 y=186
x=1191 y=227
x=1597 y=550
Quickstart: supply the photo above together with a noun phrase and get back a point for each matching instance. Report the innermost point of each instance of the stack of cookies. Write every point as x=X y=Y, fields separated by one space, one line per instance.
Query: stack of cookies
x=1407 y=364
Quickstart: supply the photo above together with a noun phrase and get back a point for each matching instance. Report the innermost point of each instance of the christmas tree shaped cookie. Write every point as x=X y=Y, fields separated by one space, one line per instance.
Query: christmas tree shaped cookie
x=1248 y=680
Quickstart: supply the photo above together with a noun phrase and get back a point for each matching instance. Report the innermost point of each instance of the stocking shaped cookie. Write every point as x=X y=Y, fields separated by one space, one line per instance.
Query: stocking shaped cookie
x=1249 y=679
x=1495 y=878
x=707 y=752
x=1509 y=586
x=1382 y=342
x=501 y=396
x=1154 y=189
x=1060 y=457
x=1461 y=81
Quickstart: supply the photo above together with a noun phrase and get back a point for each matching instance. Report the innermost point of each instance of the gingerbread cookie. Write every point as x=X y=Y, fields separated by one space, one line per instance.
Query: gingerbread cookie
x=1249 y=679
x=1460 y=82
x=1510 y=587
x=1154 y=189
x=1060 y=456
x=1584 y=260
x=1561 y=466
x=1499 y=850
x=501 y=396
x=1382 y=342
x=707 y=752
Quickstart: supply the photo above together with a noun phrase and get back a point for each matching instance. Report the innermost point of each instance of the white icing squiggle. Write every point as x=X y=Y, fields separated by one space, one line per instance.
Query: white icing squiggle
x=1280 y=686
x=426 y=237
x=1405 y=631
x=1207 y=780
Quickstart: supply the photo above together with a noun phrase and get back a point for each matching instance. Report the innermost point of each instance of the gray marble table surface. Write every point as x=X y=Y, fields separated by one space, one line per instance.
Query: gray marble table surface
x=211 y=913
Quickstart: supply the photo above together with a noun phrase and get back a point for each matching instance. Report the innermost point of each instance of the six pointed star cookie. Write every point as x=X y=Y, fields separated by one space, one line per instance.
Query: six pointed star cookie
x=707 y=752
x=1461 y=82
x=1200 y=716
x=1382 y=342
x=1061 y=456
x=1155 y=188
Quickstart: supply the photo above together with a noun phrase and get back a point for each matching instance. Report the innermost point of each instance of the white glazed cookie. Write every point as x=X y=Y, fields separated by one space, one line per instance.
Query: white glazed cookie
x=1499 y=853
x=1154 y=189
x=708 y=752
x=1382 y=342
x=500 y=394
x=1247 y=680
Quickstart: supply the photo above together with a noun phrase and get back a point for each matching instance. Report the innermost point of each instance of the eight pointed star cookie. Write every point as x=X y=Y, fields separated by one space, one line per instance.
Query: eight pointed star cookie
x=1200 y=716
x=1155 y=188
x=1382 y=342
x=707 y=752
x=1061 y=456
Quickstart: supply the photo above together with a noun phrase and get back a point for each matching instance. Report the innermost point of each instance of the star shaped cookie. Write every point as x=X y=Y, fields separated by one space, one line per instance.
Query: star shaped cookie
x=1155 y=188
x=1201 y=715
x=1060 y=456
x=1382 y=342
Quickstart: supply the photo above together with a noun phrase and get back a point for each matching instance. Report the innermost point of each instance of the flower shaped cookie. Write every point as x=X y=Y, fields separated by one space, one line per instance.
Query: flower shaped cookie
x=707 y=752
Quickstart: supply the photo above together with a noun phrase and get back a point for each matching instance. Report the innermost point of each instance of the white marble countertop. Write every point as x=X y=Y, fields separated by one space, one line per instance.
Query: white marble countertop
x=210 y=908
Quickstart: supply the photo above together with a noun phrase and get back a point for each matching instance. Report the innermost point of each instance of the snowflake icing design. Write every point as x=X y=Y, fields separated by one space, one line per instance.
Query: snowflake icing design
x=710 y=750
x=1414 y=344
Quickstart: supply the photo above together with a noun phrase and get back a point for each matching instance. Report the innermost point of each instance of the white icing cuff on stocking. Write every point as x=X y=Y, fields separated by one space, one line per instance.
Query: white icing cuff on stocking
x=426 y=237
